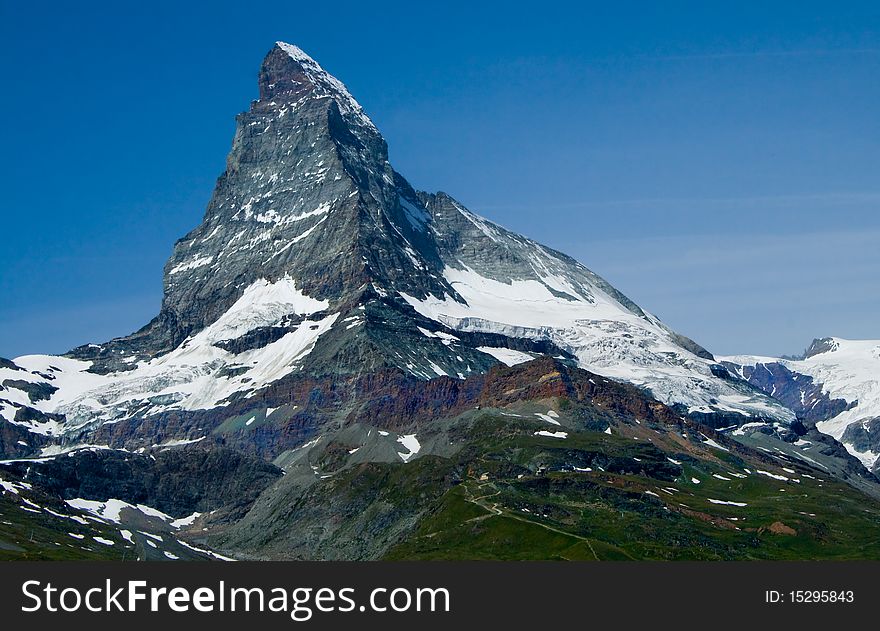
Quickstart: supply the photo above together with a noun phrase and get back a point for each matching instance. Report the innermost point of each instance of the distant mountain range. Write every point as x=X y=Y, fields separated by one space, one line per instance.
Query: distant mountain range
x=345 y=367
x=834 y=386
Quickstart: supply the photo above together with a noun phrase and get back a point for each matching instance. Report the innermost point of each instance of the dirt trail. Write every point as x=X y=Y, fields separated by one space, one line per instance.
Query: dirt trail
x=494 y=510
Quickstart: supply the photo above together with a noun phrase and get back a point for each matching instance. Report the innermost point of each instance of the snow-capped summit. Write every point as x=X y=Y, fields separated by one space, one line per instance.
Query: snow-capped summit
x=288 y=70
x=315 y=259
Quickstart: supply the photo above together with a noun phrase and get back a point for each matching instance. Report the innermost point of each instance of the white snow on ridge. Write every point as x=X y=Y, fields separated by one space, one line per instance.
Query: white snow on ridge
x=51 y=451
x=112 y=509
x=547 y=417
x=486 y=227
x=185 y=521
x=13 y=487
x=712 y=443
x=330 y=84
x=850 y=370
x=68 y=375
x=506 y=356
x=416 y=216
x=605 y=336
x=440 y=335
x=771 y=475
x=262 y=304
x=187 y=377
x=44 y=428
x=210 y=553
x=179 y=442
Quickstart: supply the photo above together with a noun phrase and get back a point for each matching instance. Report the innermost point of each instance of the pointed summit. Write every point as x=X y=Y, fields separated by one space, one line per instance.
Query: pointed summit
x=289 y=74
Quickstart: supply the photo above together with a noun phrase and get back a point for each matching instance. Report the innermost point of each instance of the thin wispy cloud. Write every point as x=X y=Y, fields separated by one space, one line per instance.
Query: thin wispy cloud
x=764 y=53
x=830 y=198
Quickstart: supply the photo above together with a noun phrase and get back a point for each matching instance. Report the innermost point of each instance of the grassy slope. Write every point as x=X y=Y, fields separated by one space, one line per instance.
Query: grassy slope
x=609 y=515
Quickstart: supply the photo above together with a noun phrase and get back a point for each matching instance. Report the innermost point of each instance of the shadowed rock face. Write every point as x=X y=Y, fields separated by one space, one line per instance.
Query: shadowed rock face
x=819 y=346
x=798 y=392
x=864 y=436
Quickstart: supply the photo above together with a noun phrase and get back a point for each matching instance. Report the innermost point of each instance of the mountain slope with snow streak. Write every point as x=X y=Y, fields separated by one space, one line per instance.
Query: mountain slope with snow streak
x=198 y=374
x=554 y=298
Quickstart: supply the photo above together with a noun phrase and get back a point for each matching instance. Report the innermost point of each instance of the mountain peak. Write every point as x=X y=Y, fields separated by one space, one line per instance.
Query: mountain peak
x=821 y=345
x=289 y=74
x=296 y=52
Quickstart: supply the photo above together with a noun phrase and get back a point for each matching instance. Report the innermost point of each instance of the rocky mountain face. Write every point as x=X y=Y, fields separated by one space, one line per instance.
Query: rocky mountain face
x=328 y=318
x=834 y=386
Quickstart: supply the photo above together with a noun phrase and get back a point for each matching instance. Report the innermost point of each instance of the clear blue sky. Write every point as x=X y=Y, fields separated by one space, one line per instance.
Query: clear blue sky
x=718 y=164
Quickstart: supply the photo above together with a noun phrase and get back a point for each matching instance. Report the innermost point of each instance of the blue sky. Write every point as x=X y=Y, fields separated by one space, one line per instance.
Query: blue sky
x=717 y=164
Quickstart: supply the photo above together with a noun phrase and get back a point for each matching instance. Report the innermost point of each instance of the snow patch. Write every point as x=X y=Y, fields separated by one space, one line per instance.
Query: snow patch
x=726 y=503
x=185 y=521
x=771 y=475
x=506 y=356
x=193 y=264
x=547 y=417
x=552 y=434
x=112 y=508
x=412 y=445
